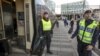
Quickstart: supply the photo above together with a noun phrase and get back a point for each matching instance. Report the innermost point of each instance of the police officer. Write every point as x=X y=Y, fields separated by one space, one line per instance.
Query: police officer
x=86 y=33
x=45 y=29
x=96 y=16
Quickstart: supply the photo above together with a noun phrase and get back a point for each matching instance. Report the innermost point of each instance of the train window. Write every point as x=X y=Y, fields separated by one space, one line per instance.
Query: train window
x=40 y=2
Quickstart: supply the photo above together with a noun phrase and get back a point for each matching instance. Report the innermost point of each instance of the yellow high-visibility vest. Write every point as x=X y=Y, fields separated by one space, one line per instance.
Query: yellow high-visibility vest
x=46 y=25
x=88 y=32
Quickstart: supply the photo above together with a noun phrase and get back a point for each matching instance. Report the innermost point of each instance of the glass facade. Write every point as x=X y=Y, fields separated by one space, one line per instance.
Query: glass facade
x=75 y=7
x=40 y=2
x=51 y=5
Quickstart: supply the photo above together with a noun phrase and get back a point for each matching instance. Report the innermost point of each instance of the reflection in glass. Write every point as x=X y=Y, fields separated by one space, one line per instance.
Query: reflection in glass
x=0 y=24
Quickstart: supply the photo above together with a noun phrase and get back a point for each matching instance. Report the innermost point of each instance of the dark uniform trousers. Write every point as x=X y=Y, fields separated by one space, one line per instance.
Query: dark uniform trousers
x=82 y=49
x=99 y=37
x=99 y=42
x=48 y=39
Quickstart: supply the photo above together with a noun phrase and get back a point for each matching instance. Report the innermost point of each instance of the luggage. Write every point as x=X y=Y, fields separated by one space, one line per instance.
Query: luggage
x=39 y=46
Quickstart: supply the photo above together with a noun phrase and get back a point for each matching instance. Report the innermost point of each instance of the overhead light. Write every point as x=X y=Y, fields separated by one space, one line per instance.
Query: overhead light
x=14 y=0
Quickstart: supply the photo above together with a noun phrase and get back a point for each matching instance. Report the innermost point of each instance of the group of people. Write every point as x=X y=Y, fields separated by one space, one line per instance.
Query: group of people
x=87 y=32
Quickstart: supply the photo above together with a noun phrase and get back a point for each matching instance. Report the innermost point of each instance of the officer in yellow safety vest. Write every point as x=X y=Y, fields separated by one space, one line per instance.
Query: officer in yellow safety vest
x=45 y=29
x=86 y=32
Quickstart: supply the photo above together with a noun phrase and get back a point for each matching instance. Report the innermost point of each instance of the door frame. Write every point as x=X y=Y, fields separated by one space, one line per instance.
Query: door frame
x=3 y=29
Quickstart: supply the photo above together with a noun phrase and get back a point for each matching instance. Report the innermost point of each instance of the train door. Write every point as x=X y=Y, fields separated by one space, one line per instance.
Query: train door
x=38 y=8
x=16 y=23
x=1 y=23
x=7 y=18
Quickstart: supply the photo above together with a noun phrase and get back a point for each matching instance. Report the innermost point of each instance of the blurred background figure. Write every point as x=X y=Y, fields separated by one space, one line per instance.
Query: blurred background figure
x=65 y=21
x=57 y=23
x=71 y=24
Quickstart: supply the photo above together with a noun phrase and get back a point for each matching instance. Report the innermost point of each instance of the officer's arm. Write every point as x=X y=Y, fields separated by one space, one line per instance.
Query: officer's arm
x=76 y=31
x=40 y=29
x=95 y=36
x=53 y=24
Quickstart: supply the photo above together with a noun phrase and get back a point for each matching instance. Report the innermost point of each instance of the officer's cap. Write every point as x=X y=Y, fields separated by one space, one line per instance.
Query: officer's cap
x=45 y=13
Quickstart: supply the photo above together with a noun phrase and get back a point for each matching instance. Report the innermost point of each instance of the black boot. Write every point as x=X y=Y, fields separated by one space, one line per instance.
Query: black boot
x=49 y=52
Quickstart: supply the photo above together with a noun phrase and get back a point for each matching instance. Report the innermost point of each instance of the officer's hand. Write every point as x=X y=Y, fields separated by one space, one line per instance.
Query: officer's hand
x=71 y=37
x=89 y=47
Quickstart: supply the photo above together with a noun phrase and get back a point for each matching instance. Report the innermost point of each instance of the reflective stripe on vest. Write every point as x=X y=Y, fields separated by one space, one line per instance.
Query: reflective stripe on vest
x=89 y=31
x=46 y=25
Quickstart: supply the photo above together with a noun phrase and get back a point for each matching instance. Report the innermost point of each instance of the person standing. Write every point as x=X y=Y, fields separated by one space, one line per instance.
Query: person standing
x=57 y=23
x=86 y=32
x=65 y=22
x=71 y=25
x=45 y=29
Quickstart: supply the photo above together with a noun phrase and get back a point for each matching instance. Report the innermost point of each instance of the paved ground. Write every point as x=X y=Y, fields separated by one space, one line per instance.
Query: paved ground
x=61 y=44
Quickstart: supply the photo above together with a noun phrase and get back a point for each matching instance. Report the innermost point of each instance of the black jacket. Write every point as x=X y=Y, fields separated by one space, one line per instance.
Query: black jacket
x=71 y=23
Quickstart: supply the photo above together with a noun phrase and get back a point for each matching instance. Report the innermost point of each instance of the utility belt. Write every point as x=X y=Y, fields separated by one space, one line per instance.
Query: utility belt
x=80 y=42
x=46 y=32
